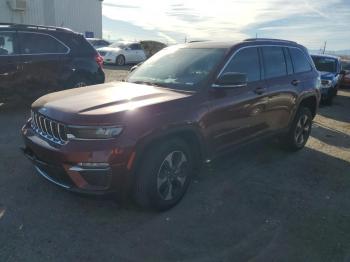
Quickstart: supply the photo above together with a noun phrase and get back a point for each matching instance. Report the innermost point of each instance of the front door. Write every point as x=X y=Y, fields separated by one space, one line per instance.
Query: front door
x=239 y=113
x=10 y=67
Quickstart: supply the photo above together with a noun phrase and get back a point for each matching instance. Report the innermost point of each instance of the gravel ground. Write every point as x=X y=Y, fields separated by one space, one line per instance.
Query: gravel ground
x=259 y=203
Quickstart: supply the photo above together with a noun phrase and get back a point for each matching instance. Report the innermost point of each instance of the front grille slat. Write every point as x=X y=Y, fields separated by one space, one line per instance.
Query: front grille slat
x=49 y=129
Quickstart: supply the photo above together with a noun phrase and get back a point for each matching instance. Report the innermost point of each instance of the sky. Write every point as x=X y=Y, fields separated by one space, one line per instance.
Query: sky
x=310 y=23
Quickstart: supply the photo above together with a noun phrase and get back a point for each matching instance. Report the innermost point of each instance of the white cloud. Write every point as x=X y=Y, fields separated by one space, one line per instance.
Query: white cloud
x=230 y=19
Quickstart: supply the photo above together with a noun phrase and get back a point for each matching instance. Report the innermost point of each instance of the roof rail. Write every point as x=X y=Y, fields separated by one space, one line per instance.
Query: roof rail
x=270 y=39
x=38 y=27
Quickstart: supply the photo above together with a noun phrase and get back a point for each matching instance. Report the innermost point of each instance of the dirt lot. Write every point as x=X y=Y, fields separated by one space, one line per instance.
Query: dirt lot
x=258 y=204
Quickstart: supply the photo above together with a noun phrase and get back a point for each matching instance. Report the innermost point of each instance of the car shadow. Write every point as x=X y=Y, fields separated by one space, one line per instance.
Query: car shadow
x=340 y=108
x=330 y=136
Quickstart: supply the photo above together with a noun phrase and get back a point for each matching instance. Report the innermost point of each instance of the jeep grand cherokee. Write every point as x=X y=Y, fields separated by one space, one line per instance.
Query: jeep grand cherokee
x=183 y=106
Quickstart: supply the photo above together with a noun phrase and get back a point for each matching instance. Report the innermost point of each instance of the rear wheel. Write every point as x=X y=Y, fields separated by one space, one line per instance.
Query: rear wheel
x=164 y=175
x=78 y=81
x=300 y=130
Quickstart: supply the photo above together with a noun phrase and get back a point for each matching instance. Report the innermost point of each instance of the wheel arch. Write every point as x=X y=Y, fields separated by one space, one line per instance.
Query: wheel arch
x=189 y=135
x=309 y=102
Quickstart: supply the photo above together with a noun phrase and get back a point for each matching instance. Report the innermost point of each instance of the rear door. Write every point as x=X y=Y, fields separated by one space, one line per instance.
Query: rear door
x=10 y=67
x=134 y=52
x=140 y=53
x=42 y=58
x=238 y=114
x=278 y=74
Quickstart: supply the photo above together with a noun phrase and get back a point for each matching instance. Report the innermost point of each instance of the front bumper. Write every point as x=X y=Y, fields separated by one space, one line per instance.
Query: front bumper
x=59 y=164
x=109 y=59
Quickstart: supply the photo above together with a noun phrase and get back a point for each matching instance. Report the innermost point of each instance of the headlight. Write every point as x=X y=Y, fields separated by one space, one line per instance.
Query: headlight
x=108 y=132
x=326 y=83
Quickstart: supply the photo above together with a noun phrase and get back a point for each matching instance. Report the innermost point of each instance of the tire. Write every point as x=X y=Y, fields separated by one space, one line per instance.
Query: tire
x=300 y=130
x=158 y=185
x=329 y=100
x=120 y=60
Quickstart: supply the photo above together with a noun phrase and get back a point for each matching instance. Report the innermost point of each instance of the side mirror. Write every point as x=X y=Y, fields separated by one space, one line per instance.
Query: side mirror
x=231 y=80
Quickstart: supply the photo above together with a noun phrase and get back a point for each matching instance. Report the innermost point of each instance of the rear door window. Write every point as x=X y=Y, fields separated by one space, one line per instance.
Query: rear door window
x=246 y=61
x=38 y=43
x=300 y=62
x=7 y=43
x=135 y=46
x=274 y=62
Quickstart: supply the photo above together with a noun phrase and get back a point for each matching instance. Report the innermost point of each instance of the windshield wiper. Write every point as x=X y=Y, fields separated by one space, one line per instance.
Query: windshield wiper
x=147 y=83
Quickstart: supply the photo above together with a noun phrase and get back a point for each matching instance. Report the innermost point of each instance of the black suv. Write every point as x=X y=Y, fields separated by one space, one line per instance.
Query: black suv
x=35 y=60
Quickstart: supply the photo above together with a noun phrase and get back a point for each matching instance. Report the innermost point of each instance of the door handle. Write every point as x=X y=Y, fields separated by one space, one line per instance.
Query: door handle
x=295 y=82
x=260 y=90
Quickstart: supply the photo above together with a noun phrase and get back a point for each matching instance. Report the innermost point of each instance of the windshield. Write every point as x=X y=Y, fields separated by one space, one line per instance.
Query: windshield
x=325 y=64
x=178 y=68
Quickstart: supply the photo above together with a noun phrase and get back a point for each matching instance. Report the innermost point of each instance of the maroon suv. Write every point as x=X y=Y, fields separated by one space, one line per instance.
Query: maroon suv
x=183 y=106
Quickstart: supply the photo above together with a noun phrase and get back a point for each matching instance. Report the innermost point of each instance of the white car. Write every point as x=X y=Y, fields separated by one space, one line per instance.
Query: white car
x=98 y=43
x=122 y=53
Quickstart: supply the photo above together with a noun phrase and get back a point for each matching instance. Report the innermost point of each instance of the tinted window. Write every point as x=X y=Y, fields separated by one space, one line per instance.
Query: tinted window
x=246 y=61
x=33 y=43
x=135 y=46
x=7 y=43
x=289 y=61
x=78 y=44
x=274 y=62
x=300 y=61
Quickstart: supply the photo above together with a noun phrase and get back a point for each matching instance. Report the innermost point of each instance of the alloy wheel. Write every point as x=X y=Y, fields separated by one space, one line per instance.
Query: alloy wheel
x=172 y=175
x=302 y=130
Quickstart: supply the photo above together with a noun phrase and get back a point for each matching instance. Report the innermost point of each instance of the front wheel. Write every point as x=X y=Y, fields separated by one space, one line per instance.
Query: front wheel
x=164 y=175
x=120 y=60
x=300 y=130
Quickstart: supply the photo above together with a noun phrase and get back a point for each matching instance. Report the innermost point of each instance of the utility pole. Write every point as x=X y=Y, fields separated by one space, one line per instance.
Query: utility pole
x=324 y=47
x=256 y=35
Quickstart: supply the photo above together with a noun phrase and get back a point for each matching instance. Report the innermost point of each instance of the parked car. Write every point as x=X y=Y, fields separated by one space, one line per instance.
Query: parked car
x=35 y=60
x=122 y=53
x=330 y=69
x=185 y=105
x=345 y=75
x=98 y=43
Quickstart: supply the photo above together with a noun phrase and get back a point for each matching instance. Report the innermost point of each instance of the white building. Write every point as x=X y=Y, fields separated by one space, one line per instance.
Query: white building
x=83 y=16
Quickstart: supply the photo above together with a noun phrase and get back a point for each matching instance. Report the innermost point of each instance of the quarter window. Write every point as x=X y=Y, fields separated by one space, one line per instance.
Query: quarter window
x=300 y=62
x=7 y=43
x=246 y=62
x=33 y=43
x=274 y=62
x=289 y=61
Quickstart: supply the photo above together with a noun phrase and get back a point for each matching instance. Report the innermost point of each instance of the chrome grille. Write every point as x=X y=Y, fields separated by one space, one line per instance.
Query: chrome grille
x=49 y=129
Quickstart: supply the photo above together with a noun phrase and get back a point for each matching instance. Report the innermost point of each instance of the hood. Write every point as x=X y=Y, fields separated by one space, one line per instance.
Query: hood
x=109 y=49
x=327 y=75
x=102 y=104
